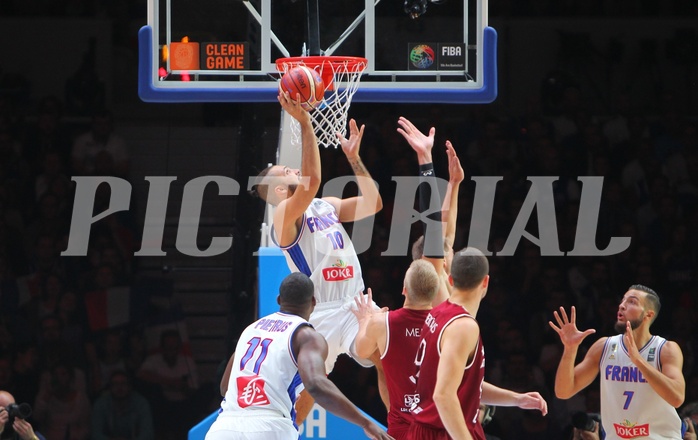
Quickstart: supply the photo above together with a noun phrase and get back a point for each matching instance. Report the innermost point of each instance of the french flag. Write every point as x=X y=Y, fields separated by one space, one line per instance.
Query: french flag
x=108 y=308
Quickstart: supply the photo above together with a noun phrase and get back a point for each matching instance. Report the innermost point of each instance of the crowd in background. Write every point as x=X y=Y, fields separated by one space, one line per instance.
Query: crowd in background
x=50 y=344
x=54 y=354
x=84 y=374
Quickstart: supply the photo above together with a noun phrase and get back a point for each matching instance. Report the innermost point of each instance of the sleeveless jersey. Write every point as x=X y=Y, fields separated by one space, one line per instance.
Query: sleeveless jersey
x=264 y=380
x=324 y=251
x=427 y=361
x=630 y=408
x=404 y=327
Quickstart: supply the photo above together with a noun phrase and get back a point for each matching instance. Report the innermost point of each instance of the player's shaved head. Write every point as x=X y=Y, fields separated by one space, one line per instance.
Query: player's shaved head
x=469 y=268
x=296 y=289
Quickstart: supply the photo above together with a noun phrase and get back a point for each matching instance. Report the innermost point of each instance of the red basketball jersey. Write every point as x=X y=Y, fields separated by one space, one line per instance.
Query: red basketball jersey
x=428 y=355
x=404 y=330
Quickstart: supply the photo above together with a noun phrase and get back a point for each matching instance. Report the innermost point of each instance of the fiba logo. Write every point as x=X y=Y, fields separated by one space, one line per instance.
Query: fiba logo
x=422 y=56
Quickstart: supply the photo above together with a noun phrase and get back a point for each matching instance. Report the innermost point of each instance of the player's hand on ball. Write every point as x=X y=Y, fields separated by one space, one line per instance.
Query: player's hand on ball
x=294 y=108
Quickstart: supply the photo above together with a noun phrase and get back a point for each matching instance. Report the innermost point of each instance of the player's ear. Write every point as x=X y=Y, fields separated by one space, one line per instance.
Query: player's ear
x=485 y=281
x=278 y=299
x=650 y=314
x=450 y=280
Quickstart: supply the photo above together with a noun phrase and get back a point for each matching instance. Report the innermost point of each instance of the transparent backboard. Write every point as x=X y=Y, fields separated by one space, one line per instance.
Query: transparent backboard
x=225 y=51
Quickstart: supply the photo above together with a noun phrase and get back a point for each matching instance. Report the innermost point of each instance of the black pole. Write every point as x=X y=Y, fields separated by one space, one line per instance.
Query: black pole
x=314 y=28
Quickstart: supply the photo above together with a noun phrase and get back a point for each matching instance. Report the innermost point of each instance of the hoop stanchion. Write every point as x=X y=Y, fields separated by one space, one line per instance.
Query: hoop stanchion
x=341 y=76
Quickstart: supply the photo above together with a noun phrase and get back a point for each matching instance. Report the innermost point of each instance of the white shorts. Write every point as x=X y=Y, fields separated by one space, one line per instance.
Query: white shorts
x=252 y=428
x=335 y=321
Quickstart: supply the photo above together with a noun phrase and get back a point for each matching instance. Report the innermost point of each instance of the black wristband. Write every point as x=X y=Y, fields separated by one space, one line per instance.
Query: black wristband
x=426 y=169
x=433 y=239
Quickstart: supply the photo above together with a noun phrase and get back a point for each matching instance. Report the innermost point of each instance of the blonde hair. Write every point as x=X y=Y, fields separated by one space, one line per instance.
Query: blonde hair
x=421 y=282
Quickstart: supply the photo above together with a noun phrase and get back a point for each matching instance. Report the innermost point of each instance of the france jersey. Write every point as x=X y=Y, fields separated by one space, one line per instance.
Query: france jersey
x=324 y=251
x=264 y=381
x=630 y=408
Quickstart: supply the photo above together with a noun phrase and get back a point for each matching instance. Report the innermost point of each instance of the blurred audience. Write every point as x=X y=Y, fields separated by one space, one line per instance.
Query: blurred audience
x=120 y=412
x=87 y=383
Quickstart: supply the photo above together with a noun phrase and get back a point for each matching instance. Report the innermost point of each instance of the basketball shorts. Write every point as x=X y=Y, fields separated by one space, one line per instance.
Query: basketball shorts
x=418 y=431
x=335 y=321
x=399 y=432
x=252 y=428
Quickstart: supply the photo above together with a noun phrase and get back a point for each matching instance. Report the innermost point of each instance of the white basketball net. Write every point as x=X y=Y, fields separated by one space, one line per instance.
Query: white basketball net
x=330 y=115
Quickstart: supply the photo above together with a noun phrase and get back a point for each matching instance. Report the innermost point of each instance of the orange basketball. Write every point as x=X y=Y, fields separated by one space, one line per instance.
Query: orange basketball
x=307 y=82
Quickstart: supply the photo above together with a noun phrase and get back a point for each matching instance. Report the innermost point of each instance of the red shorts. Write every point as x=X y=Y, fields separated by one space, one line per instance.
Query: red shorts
x=423 y=432
x=398 y=431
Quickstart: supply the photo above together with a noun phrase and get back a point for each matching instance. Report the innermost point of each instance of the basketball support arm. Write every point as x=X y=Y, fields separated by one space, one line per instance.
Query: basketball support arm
x=272 y=35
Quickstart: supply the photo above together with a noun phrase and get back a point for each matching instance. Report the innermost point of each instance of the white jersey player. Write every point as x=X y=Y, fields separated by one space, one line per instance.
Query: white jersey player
x=310 y=233
x=630 y=405
x=263 y=377
x=641 y=379
x=324 y=252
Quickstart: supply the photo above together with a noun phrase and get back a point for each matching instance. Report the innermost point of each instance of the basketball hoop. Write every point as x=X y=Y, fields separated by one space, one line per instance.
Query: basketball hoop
x=341 y=76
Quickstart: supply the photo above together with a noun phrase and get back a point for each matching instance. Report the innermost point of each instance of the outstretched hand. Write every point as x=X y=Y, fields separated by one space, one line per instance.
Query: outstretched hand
x=351 y=146
x=364 y=305
x=533 y=400
x=420 y=143
x=455 y=170
x=567 y=328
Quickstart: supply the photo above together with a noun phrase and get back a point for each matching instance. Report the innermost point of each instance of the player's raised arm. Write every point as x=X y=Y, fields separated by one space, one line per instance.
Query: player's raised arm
x=369 y=200
x=310 y=349
x=298 y=194
x=570 y=379
x=433 y=236
x=449 y=209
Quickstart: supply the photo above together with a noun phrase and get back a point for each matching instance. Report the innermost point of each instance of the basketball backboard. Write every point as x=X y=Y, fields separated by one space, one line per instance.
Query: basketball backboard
x=446 y=55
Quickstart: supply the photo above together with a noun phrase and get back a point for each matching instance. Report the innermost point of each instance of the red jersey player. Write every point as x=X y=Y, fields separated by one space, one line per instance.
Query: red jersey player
x=451 y=361
x=396 y=335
